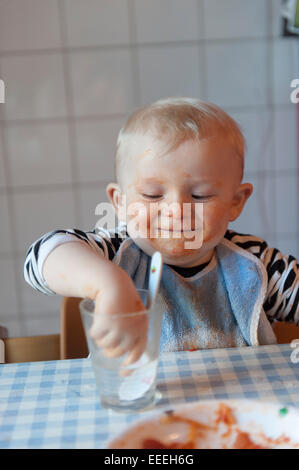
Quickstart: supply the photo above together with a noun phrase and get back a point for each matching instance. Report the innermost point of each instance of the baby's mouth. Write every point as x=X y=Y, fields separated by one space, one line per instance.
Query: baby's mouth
x=173 y=234
x=176 y=231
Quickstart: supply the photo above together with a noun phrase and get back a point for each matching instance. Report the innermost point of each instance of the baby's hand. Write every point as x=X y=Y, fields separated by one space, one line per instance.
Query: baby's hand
x=118 y=335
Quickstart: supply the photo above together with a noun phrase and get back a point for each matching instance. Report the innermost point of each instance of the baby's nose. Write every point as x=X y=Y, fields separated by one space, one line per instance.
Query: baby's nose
x=176 y=210
x=180 y=204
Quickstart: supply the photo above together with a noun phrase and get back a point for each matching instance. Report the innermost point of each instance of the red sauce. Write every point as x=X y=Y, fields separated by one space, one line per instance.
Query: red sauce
x=243 y=441
x=155 y=444
x=197 y=430
x=225 y=415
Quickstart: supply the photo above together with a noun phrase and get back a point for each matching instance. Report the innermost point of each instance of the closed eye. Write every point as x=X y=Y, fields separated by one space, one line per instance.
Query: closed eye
x=197 y=197
x=200 y=198
x=152 y=196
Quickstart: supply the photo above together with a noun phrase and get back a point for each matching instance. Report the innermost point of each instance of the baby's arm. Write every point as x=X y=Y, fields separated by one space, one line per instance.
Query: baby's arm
x=77 y=269
x=101 y=241
x=73 y=269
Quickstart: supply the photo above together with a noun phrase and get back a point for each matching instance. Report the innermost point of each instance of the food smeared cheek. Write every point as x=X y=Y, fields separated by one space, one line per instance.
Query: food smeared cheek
x=213 y=221
x=140 y=219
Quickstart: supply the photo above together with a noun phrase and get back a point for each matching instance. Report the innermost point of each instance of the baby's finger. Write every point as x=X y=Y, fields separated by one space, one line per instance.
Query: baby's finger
x=136 y=352
x=98 y=331
x=125 y=372
x=125 y=345
x=109 y=341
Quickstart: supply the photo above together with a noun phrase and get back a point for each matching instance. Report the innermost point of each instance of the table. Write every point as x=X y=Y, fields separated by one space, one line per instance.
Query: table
x=55 y=404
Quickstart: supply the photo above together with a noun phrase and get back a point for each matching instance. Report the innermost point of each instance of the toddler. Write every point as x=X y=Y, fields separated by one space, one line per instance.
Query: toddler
x=219 y=288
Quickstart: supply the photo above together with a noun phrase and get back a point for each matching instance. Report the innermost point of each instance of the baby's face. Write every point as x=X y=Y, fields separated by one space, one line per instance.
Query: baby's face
x=205 y=174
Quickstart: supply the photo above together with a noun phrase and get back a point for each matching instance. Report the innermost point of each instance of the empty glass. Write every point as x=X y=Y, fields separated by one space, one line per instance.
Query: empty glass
x=133 y=387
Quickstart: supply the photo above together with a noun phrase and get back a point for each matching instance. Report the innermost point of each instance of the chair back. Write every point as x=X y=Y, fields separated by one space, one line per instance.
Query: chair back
x=72 y=337
x=285 y=332
x=32 y=348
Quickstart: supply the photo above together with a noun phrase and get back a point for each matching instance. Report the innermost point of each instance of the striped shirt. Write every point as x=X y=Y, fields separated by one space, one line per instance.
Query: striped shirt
x=282 y=298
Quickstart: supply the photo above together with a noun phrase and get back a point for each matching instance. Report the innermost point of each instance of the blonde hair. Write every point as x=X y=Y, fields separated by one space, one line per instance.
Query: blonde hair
x=174 y=120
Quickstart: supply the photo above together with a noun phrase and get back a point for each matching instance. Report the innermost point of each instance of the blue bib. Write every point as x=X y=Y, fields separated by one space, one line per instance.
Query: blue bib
x=219 y=307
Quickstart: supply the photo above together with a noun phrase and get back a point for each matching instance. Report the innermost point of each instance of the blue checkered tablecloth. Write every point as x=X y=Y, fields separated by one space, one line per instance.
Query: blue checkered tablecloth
x=55 y=404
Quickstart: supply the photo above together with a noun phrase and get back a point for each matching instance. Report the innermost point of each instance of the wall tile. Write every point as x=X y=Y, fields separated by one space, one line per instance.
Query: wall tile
x=12 y=324
x=90 y=198
x=286 y=199
x=288 y=245
x=40 y=212
x=39 y=154
x=258 y=130
x=33 y=301
x=102 y=82
x=271 y=239
x=37 y=303
x=258 y=214
x=8 y=289
x=169 y=20
x=29 y=25
x=163 y=72
x=96 y=142
x=285 y=52
x=49 y=325
x=235 y=19
x=285 y=138
x=237 y=73
x=276 y=20
x=34 y=86
x=5 y=235
x=3 y=182
x=97 y=23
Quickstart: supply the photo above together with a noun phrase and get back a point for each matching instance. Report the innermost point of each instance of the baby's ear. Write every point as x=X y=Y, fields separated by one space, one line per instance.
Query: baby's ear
x=243 y=193
x=117 y=199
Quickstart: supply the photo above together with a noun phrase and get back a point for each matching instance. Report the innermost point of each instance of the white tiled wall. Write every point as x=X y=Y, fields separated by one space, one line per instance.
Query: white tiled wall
x=166 y=21
x=102 y=81
x=94 y=140
x=31 y=80
x=97 y=23
x=259 y=134
x=239 y=68
x=285 y=63
x=234 y=19
x=38 y=146
x=73 y=71
x=36 y=211
x=29 y=25
x=162 y=71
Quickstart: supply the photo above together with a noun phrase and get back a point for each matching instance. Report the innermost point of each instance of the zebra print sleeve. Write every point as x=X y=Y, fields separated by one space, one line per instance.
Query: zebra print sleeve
x=282 y=300
x=101 y=240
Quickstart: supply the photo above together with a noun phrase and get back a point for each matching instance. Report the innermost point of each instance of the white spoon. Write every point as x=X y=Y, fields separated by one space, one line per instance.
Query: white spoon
x=154 y=278
x=136 y=385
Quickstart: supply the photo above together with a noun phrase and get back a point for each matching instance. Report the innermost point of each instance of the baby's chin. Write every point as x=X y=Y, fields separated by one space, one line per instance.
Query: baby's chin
x=174 y=251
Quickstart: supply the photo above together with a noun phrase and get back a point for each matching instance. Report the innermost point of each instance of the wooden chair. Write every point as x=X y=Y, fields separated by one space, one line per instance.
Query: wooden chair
x=69 y=344
x=285 y=332
x=72 y=337
x=32 y=348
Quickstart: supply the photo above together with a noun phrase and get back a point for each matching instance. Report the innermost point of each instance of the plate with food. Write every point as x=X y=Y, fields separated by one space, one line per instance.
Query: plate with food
x=214 y=424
